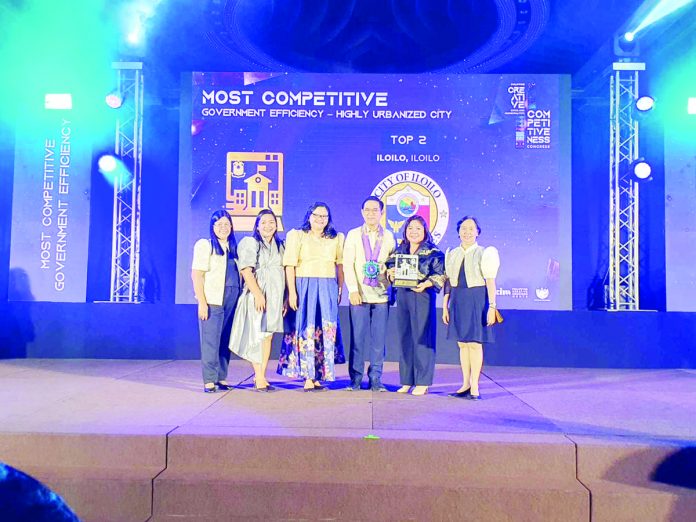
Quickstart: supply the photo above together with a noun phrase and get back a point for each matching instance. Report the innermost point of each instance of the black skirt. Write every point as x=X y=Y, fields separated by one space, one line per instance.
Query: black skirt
x=468 y=308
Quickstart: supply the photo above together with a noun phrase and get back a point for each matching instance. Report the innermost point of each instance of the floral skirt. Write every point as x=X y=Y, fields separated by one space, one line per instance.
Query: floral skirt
x=312 y=343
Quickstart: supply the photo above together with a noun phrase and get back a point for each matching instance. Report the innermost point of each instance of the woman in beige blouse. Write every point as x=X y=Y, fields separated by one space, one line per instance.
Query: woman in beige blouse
x=313 y=262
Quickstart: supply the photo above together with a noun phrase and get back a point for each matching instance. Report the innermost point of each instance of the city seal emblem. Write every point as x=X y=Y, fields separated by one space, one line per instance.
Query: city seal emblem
x=409 y=193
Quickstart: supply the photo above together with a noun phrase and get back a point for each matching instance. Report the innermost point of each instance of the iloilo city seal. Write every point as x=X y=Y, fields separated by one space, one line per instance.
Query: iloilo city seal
x=409 y=193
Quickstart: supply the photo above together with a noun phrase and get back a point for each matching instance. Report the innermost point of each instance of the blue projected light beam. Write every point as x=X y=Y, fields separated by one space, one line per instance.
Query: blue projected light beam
x=658 y=12
x=112 y=168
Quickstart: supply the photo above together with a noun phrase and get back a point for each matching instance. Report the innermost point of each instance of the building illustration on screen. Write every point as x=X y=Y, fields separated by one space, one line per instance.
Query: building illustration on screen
x=254 y=182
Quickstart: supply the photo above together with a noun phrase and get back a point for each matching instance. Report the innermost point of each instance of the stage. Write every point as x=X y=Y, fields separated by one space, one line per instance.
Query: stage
x=139 y=440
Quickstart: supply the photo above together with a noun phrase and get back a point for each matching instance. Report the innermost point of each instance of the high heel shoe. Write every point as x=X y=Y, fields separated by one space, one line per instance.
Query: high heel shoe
x=461 y=394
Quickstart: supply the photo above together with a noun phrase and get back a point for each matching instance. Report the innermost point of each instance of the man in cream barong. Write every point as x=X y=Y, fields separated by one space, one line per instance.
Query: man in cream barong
x=365 y=251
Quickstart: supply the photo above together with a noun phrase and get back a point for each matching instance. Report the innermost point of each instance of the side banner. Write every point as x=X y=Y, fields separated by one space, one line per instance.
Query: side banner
x=50 y=206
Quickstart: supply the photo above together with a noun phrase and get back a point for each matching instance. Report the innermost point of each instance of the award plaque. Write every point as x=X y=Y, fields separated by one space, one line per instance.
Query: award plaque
x=406 y=270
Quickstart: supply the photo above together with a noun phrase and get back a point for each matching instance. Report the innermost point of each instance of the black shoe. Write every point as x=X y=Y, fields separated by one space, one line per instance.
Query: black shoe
x=461 y=395
x=264 y=389
x=223 y=387
x=271 y=388
x=318 y=388
x=472 y=397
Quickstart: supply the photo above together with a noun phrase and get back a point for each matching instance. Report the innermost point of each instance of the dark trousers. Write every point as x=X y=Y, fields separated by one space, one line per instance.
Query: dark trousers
x=369 y=325
x=215 y=337
x=415 y=326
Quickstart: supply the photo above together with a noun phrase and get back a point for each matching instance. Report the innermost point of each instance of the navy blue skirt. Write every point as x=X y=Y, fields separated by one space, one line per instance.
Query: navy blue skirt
x=468 y=307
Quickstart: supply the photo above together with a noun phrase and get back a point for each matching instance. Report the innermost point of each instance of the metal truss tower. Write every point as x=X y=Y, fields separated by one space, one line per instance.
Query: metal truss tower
x=125 y=251
x=624 y=236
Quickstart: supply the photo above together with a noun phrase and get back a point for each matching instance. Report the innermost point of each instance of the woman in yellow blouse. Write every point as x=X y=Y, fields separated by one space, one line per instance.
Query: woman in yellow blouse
x=313 y=261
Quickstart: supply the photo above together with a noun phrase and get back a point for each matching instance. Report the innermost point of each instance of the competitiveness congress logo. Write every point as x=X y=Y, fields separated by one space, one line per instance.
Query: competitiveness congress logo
x=408 y=193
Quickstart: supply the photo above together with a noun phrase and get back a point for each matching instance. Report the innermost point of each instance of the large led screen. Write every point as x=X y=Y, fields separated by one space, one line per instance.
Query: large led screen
x=495 y=147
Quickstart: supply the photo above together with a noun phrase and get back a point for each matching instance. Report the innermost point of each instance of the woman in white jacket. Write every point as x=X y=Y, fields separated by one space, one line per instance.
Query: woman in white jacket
x=216 y=285
x=468 y=307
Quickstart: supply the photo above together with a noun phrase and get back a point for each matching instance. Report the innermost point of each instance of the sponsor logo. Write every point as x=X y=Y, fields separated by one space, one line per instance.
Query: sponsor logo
x=520 y=293
x=515 y=293
x=533 y=127
x=542 y=294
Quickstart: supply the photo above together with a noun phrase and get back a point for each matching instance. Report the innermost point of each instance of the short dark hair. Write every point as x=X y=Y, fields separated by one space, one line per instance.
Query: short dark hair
x=472 y=218
x=373 y=198
x=329 y=230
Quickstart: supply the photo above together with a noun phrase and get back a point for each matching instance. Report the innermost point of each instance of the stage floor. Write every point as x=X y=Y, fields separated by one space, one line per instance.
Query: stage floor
x=139 y=440
x=74 y=395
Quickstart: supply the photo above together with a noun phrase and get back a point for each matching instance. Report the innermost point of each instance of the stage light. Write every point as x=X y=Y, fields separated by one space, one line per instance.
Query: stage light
x=113 y=169
x=114 y=99
x=640 y=170
x=691 y=106
x=107 y=164
x=133 y=37
x=645 y=103
x=196 y=127
x=626 y=45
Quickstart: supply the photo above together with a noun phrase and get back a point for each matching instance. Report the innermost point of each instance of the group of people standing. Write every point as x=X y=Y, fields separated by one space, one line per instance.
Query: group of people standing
x=263 y=286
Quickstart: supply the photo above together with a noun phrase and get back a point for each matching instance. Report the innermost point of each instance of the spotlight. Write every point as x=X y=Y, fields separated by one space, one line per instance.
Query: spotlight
x=133 y=37
x=196 y=127
x=113 y=169
x=626 y=45
x=114 y=99
x=640 y=170
x=107 y=164
x=645 y=103
x=691 y=106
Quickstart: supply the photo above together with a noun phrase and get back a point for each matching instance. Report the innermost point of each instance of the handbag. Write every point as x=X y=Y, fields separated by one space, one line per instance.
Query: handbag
x=498 y=317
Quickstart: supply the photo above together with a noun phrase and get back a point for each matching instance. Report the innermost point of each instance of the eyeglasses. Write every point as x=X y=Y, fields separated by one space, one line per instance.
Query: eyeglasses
x=320 y=216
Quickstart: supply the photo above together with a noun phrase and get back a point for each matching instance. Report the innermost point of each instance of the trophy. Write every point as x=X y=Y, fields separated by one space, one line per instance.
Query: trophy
x=406 y=270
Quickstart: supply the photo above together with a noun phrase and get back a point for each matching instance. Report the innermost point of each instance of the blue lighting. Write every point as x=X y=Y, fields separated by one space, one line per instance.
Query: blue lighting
x=107 y=164
x=641 y=170
x=645 y=103
x=661 y=9
x=113 y=169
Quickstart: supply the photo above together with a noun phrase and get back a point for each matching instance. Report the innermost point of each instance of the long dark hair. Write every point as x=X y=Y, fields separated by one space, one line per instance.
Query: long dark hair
x=257 y=235
x=231 y=241
x=405 y=245
x=329 y=230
